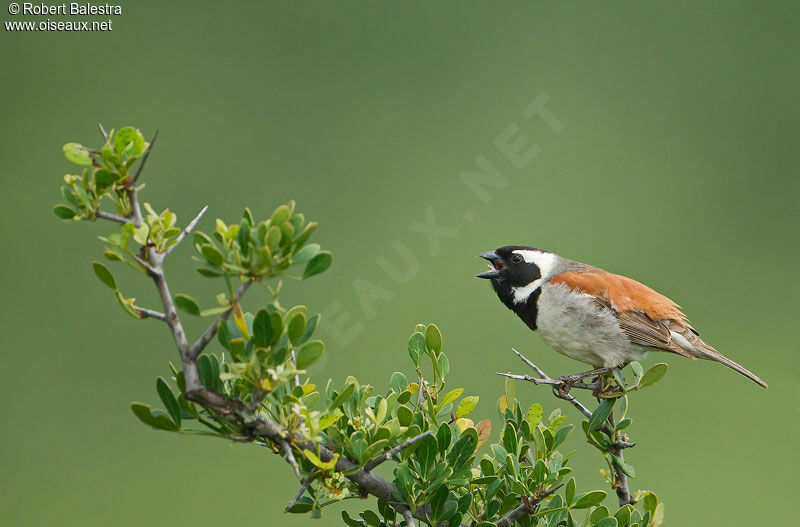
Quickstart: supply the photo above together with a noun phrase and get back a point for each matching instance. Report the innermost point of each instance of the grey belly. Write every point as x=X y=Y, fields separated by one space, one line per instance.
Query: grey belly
x=577 y=326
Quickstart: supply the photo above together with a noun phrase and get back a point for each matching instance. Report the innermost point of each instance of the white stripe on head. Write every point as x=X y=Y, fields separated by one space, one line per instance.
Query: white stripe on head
x=545 y=261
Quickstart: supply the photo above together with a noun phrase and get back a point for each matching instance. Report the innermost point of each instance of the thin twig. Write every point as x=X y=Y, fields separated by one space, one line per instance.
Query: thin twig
x=149 y=313
x=533 y=366
x=112 y=217
x=374 y=462
x=144 y=159
x=554 y=382
x=303 y=487
x=186 y=231
x=206 y=337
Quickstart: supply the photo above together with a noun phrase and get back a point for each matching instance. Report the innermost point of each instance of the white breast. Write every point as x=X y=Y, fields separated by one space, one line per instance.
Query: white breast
x=577 y=326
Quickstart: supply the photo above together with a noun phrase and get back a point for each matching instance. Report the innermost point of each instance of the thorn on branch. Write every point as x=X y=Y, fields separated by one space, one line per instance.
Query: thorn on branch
x=102 y=131
x=374 y=462
x=186 y=231
x=149 y=313
x=144 y=159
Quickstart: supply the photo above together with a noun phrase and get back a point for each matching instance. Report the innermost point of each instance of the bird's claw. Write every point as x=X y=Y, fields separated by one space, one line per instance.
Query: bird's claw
x=569 y=380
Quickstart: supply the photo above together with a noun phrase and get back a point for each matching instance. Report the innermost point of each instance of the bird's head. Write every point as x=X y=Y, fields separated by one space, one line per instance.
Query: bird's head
x=516 y=271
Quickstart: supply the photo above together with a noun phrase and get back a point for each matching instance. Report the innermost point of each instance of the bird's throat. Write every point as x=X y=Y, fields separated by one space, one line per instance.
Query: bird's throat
x=527 y=310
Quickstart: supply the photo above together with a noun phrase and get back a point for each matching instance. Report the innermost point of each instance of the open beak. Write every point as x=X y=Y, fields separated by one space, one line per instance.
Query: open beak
x=494 y=265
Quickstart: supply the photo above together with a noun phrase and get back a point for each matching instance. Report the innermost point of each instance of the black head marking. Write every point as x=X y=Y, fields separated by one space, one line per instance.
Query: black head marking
x=510 y=271
x=514 y=269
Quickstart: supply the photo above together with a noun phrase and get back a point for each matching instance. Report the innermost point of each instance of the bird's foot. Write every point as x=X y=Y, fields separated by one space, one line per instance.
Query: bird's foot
x=578 y=377
x=571 y=380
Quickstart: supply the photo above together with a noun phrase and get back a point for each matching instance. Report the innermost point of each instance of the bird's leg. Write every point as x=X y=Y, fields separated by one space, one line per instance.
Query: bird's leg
x=578 y=377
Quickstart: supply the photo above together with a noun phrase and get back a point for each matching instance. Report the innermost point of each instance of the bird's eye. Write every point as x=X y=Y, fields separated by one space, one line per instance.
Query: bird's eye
x=516 y=259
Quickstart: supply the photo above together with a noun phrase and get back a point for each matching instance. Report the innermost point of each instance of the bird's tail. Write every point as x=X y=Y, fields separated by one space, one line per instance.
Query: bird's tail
x=709 y=353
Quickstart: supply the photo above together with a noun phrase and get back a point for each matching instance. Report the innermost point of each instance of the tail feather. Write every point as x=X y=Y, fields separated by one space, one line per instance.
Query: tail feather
x=712 y=354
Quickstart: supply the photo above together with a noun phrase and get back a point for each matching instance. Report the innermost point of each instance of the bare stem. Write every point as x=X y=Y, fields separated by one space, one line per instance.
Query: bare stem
x=112 y=217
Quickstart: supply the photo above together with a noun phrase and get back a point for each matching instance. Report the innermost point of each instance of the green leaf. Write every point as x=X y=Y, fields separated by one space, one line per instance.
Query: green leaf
x=297 y=328
x=637 y=368
x=625 y=423
x=443 y=437
x=535 y=414
x=280 y=215
x=654 y=374
x=187 y=304
x=211 y=254
x=169 y=400
x=159 y=421
x=306 y=253
x=650 y=502
x=318 y=264
x=343 y=397
x=309 y=354
x=243 y=238
x=128 y=135
x=399 y=382
x=317 y=462
x=624 y=467
x=600 y=415
x=623 y=515
x=262 y=328
x=607 y=522
x=404 y=480
x=104 y=178
x=433 y=339
x=425 y=454
x=589 y=499
x=405 y=416
x=104 y=275
x=64 y=212
x=569 y=492
x=450 y=397
x=76 y=153
x=416 y=346
x=598 y=514
x=466 y=405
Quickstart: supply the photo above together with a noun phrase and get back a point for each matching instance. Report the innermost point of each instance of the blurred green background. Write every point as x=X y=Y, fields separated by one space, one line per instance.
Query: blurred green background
x=676 y=165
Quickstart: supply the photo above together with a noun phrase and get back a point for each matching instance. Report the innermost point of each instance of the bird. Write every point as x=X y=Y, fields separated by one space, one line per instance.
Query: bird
x=591 y=315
